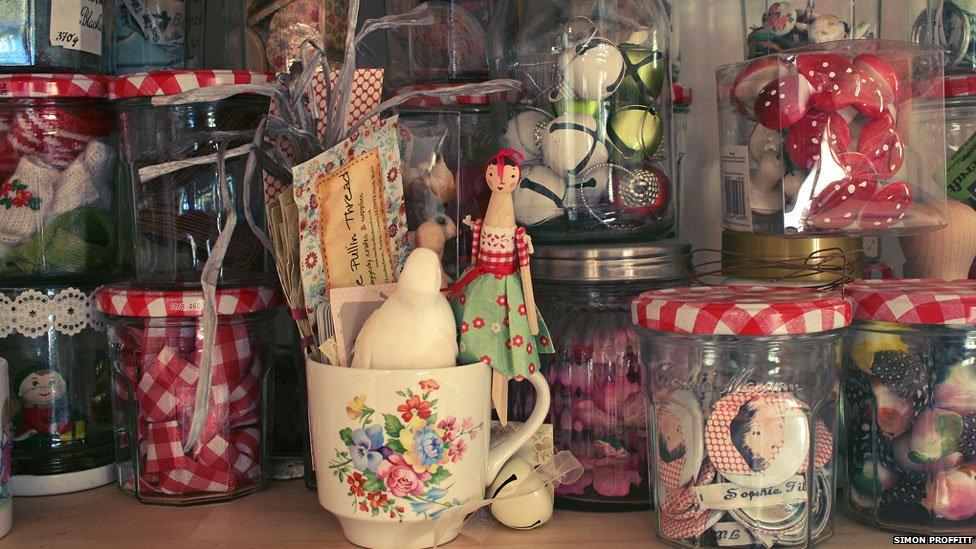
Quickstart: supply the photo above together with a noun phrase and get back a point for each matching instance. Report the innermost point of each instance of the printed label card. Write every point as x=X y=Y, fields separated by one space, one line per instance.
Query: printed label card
x=352 y=223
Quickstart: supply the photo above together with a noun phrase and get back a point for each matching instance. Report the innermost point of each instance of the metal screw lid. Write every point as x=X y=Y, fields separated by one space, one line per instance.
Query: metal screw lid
x=612 y=262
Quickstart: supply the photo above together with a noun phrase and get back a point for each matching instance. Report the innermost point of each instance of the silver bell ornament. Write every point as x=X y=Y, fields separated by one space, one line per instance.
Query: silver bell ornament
x=539 y=196
x=642 y=192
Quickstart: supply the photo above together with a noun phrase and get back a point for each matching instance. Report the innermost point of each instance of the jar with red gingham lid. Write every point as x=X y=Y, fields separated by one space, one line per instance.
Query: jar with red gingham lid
x=910 y=405
x=744 y=386
x=59 y=216
x=190 y=426
x=172 y=125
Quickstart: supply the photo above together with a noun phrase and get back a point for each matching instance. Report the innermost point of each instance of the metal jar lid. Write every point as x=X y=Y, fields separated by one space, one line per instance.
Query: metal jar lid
x=764 y=247
x=612 y=262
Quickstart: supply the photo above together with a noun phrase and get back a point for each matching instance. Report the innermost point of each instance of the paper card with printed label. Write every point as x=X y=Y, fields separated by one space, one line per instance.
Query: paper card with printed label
x=726 y=495
x=351 y=308
x=352 y=225
x=77 y=25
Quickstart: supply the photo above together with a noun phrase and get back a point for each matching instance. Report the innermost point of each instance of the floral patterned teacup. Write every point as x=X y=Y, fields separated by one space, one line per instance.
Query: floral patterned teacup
x=395 y=449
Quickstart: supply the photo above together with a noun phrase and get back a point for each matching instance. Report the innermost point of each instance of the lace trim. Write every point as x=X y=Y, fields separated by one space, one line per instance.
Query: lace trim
x=498 y=240
x=33 y=313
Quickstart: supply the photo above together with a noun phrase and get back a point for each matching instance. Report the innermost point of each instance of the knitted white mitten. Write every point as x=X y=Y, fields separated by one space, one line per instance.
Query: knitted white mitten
x=85 y=182
x=25 y=198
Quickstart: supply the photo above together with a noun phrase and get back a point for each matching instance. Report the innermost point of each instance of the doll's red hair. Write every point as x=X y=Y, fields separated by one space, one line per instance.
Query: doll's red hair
x=506 y=157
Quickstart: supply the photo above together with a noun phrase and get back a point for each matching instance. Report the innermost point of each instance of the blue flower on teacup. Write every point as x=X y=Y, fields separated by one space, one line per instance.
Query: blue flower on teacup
x=429 y=446
x=365 y=451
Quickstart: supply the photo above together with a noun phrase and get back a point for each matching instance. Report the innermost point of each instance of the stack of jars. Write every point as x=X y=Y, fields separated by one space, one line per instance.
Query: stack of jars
x=61 y=235
x=189 y=404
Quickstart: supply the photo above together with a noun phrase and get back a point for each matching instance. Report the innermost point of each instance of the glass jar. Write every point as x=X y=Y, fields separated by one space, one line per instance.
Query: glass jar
x=178 y=211
x=275 y=31
x=59 y=220
x=960 y=115
x=594 y=116
x=40 y=36
x=950 y=25
x=598 y=412
x=806 y=261
x=773 y=27
x=156 y=35
x=59 y=384
x=681 y=109
x=155 y=349
x=910 y=405
x=744 y=388
x=451 y=50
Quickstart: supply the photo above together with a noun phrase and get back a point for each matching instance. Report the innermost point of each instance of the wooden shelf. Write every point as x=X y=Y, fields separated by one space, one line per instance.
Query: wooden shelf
x=288 y=515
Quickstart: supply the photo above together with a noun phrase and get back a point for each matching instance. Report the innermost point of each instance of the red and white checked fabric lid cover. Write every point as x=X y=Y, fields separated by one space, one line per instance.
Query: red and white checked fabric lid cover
x=914 y=301
x=741 y=310
x=54 y=85
x=148 y=84
x=124 y=300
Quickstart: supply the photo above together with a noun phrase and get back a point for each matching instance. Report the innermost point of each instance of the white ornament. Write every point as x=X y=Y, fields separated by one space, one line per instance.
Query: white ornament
x=764 y=139
x=571 y=144
x=593 y=69
x=414 y=328
x=523 y=512
x=769 y=172
x=766 y=202
x=539 y=196
x=524 y=133
x=791 y=185
x=591 y=186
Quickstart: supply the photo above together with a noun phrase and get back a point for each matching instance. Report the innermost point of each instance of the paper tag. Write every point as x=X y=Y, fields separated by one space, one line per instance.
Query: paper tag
x=725 y=496
x=731 y=534
x=77 y=25
x=736 y=205
x=961 y=172
x=355 y=241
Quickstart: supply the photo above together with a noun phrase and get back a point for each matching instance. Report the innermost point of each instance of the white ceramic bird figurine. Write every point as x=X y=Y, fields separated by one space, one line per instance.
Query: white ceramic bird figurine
x=415 y=328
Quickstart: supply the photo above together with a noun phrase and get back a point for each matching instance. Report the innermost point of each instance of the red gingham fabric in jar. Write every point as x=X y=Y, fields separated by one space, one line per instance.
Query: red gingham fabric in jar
x=160 y=361
x=54 y=85
x=914 y=301
x=124 y=300
x=741 y=310
x=149 y=84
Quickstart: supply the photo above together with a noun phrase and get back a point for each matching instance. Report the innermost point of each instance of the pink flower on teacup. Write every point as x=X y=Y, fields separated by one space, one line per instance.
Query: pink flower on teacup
x=400 y=478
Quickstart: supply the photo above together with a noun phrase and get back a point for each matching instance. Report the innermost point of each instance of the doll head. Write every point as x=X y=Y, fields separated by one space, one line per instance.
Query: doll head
x=504 y=171
x=41 y=387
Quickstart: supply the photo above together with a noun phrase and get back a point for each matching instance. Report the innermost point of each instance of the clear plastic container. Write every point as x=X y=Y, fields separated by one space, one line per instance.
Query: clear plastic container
x=594 y=117
x=838 y=138
x=744 y=393
x=59 y=384
x=910 y=405
x=179 y=214
x=40 y=36
x=59 y=216
x=156 y=35
x=450 y=50
x=598 y=410
x=155 y=347
x=772 y=27
x=949 y=24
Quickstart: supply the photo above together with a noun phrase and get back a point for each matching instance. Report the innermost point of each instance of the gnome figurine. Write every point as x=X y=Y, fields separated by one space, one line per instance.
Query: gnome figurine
x=414 y=328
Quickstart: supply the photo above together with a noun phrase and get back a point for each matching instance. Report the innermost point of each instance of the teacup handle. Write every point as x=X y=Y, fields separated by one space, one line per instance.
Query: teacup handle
x=501 y=453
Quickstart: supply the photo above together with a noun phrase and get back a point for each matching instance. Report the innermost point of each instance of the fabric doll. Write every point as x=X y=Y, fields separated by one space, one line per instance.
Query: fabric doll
x=493 y=301
x=42 y=391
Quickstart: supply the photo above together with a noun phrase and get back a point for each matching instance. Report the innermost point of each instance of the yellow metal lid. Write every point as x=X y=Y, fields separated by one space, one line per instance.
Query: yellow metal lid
x=741 y=247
